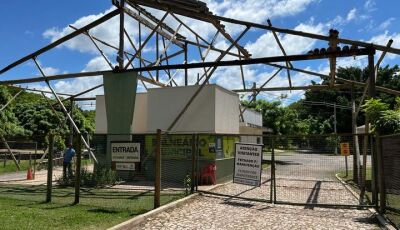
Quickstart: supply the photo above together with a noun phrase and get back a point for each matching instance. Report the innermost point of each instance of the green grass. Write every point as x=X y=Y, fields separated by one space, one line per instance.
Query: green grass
x=349 y=177
x=22 y=207
x=11 y=167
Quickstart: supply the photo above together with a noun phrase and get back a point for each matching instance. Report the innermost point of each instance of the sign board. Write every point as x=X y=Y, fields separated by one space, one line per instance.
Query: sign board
x=248 y=164
x=345 y=149
x=125 y=152
x=125 y=166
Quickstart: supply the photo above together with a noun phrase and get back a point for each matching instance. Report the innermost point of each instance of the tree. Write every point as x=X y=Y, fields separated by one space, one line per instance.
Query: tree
x=9 y=125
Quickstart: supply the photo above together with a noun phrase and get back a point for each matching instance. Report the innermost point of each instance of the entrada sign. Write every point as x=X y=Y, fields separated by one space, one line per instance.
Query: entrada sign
x=125 y=152
x=248 y=164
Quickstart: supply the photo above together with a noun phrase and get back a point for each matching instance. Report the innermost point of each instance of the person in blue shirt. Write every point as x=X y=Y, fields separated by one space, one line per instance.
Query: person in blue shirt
x=68 y=155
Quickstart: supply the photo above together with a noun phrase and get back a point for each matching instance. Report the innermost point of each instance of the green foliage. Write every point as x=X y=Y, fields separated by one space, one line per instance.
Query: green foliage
x=388 y=122
x=9 y=125
x=373 y=108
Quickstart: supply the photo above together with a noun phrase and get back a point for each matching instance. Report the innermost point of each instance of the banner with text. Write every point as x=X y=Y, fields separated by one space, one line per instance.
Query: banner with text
x=248 y=164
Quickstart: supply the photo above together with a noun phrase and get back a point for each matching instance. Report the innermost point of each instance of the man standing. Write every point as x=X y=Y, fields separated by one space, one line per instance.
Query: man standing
x=68 y=155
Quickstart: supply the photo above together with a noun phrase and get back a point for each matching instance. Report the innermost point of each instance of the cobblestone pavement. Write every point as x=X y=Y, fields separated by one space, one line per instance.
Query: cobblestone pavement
x=300 y=179
x=213 y=212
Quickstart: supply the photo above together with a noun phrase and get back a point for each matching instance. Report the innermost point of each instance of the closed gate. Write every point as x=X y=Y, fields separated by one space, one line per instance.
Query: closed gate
x=323 y=170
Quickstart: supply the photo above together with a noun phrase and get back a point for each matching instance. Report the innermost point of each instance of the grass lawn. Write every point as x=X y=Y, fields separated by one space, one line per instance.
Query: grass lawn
x=11 y=167
x=22 y=207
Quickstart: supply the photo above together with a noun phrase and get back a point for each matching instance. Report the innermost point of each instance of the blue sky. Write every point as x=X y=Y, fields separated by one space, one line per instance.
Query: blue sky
x=39 y=22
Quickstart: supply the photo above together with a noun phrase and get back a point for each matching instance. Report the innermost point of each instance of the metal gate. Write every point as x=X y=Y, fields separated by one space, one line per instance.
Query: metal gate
x=323 y=170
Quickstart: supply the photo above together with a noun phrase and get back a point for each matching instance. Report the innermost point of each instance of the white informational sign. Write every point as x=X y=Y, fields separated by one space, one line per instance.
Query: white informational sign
x=125 y=166
x=125 y=152
x=248 y=164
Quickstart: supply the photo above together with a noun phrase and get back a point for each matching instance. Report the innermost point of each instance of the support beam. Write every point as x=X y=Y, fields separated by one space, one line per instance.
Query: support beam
x=288 y=64
x=78 y=132
x=11 y=100
x=120 y=58
x=147 y=40
x=309 y=87
x=61 y=40
x=205 y=82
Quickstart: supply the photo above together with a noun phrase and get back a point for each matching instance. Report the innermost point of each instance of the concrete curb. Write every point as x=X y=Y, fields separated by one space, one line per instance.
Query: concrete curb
x=134 y=222
x=384 y=223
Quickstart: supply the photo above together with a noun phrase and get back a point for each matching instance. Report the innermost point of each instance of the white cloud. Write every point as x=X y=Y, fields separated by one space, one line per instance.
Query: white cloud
x=384 y=25
x=382 y=39
x=369 y=5
x=266 y=45
x=351 y=15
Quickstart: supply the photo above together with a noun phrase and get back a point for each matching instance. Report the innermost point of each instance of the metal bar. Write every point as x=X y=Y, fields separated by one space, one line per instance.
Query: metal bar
x=78 y=171
x=10 y=152
x=167 y=46
x=288 y=64
x=78 y=132
x=186 y=61
x=257 y=91
x=36 y=90
x=204 y=83
x=101 y=51
x=242 y=73
x=157 y=181
x=53 y=109
x=152 y=27
x=310 y=87
x=50 y=169
x=147 y=40
x=74 y=75
x=11 y=100
x=61 y=40
x=141 y=60
x=121 y=34
x=190 y=29
x=304 y=34
x=221 y=56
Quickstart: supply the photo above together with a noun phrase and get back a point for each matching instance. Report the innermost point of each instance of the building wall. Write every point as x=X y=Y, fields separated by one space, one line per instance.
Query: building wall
x=139 y=124
x=226 y=111
x=165 y=104
x=252 y=117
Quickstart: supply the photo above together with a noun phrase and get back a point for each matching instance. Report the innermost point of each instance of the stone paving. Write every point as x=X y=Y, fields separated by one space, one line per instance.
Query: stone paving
x=217 y=212
x=302 y=179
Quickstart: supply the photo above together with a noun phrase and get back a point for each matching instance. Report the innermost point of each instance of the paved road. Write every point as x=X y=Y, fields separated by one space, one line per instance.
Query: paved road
x=320 y=186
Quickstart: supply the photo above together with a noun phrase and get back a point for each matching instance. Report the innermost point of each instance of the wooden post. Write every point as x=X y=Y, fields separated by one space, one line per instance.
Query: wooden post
x=197 y=163
x=381 y=176
x=186 y=61
x=34 y=161
x=273 y=181
x=10 y=152
x=194 y=175
x=157 y=181
x=374 y=185
x=50 y=168
x=78 y=150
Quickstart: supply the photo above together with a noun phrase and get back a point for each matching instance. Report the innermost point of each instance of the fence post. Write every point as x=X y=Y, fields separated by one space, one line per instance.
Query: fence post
x=197 y=162
x=193 y=164
x=381 y=176
x=78 y=170
x=273 y=182
x=50 y=168
x=34 y=161
x=374 y=187
x=157 y=181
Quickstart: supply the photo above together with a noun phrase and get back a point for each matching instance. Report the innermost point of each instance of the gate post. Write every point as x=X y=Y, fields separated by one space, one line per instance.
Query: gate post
x=273 y=182
x=50 y=168
x=157 y=180
x=194 y=175
x=381 y=176
x=78 y=170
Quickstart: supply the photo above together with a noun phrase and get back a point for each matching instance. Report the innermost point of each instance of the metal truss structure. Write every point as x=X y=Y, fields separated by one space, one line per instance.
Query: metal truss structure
x=157 y=71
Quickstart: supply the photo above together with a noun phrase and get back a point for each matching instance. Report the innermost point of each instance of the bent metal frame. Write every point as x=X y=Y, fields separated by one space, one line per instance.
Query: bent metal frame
x=135 y=9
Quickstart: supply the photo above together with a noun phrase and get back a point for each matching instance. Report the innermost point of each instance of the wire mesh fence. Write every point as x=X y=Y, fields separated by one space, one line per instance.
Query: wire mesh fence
x=312 y=169
x=390 y=152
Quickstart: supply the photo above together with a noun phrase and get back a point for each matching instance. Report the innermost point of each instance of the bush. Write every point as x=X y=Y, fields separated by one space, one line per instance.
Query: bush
x=99 y=178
